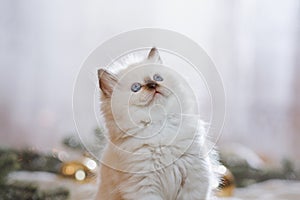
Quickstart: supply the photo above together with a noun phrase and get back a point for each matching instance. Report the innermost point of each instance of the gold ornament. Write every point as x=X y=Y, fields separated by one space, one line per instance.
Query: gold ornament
x=227 y=185
x=83 y=171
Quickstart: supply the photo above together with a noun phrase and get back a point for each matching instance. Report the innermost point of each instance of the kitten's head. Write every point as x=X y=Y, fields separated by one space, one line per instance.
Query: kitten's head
x=143 y=92
x=144 y=82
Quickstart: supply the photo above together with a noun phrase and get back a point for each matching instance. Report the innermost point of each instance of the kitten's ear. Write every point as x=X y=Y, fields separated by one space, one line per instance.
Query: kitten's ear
x=154 y=56
x=107 y=81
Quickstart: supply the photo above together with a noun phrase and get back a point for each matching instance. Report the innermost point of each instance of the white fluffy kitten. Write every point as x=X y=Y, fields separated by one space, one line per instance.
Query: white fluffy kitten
x=157 y=148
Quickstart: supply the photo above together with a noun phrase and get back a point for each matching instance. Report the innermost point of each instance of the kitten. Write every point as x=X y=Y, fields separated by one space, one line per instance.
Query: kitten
x=157 y=148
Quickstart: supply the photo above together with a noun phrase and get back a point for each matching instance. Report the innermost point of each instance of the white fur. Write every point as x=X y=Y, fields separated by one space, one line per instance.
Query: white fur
x=157 y=149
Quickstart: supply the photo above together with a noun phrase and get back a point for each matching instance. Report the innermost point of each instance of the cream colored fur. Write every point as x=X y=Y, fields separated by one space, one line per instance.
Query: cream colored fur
x=158 y=147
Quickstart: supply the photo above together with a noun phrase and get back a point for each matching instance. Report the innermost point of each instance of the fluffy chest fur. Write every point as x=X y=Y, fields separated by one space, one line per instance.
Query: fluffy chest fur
x=157 y=170
x=167 y=168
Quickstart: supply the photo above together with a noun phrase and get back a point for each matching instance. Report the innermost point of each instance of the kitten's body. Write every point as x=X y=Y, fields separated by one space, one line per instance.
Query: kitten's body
x=160 y=153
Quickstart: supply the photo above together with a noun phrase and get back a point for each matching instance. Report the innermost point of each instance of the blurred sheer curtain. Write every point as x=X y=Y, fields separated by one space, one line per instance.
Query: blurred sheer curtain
x=254 y=43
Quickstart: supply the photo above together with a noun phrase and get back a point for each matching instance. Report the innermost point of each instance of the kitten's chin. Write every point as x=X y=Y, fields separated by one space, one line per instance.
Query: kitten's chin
x=152 y=98
x=156 y=97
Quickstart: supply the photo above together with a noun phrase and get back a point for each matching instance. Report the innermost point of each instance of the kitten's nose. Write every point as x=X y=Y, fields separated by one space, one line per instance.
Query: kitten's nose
x=151 y=85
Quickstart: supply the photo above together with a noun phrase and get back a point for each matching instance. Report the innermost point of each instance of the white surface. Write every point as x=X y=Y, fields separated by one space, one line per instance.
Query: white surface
x=269 y=190
x=45 y=180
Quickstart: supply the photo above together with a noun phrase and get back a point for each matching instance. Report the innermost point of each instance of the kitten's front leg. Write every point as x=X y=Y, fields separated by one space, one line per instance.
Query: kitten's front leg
x=197 y=185
x=139 y=186
x=141 y=195
x=147 y=197
x=195 y=190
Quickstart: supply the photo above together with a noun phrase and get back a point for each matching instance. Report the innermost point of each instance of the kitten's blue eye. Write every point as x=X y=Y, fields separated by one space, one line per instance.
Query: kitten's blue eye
x=157 y=77
x=136 y=87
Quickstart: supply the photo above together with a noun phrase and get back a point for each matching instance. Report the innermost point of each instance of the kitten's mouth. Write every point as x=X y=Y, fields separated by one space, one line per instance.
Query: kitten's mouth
x=157 y=92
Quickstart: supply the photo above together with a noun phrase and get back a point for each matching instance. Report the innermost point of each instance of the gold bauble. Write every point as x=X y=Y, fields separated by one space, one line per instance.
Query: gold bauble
x=80 y=171
x=227 y=185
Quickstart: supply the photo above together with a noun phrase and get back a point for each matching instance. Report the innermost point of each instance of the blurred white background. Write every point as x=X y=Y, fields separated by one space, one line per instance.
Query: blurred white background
x=255 y=45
